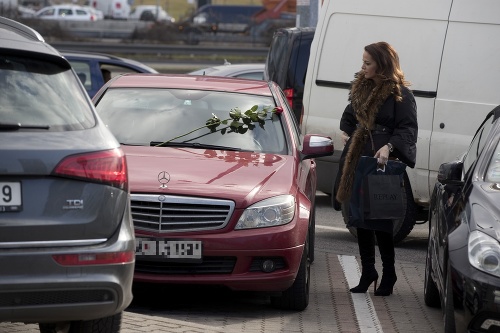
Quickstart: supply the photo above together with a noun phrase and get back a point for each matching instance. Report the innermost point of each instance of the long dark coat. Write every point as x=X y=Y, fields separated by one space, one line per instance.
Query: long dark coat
x=396 y=124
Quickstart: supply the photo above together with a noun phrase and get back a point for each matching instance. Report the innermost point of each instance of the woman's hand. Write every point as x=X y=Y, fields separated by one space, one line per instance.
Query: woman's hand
x=344 y=137
x=382 y=155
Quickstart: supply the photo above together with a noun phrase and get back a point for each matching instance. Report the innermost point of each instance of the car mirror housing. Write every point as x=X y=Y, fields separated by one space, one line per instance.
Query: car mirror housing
x=316 y=146
x=450 y=173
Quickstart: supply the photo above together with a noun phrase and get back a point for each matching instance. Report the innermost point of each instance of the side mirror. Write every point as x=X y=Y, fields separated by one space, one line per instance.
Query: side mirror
x=450 y=173
x=315 y=145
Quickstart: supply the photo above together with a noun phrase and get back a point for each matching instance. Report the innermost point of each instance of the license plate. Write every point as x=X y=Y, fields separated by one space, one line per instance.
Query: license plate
x=10 y=197
x=177 y=249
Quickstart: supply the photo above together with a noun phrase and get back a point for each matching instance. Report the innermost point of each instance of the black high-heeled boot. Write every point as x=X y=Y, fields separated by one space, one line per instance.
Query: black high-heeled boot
x=387 y=254
x=366 y=244
x=389 y=279
x=367 y=277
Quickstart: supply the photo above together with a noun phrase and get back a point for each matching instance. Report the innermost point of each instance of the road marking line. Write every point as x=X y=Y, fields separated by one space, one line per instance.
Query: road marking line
x=363 y=306
x=331 y=228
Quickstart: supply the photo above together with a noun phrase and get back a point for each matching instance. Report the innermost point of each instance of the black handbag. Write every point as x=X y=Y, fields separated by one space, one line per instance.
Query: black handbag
x=378 y=191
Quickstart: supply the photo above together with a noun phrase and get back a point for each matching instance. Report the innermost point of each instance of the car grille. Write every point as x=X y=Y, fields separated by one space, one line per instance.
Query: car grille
x=165 y=213
x=54 y=297
x=209 y=265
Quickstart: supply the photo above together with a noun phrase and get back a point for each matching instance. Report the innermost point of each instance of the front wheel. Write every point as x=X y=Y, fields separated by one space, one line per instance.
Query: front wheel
x=402 y=227
x=297 y=296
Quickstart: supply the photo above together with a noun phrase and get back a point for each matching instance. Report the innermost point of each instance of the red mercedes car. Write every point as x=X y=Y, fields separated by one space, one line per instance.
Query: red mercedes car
x=222 y=182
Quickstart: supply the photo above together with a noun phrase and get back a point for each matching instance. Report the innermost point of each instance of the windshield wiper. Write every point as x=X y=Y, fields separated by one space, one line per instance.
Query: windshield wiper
x=192 y=145
x=17 y=126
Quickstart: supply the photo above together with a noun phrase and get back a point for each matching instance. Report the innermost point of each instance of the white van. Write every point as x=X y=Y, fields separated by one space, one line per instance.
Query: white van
x=448 y=49
x=112 y=9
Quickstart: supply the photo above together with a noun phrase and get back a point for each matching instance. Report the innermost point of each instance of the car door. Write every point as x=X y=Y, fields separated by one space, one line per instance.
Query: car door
x=452 y=198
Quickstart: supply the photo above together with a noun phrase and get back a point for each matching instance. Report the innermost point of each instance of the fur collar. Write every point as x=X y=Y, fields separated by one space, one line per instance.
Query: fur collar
x=366 y=98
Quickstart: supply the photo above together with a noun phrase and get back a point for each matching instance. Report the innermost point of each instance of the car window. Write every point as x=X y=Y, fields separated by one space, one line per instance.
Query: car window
x=493 y=173
x=477 y=144
x=82 y=69
x=116 y=70
x=48 y=12
x=81 y=12
x=142 y=116
x=38 y=95
x=276 y=60
x=253 y=76
x=65 y=12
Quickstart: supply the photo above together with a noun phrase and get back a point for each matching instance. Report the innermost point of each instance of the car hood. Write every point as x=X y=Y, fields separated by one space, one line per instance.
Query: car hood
x=244 y=177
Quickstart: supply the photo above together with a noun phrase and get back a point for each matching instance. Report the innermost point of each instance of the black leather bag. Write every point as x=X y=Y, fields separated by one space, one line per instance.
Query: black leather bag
x=378 y=192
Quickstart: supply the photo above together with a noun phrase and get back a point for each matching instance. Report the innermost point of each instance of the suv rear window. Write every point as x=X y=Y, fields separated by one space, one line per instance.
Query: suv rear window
x=34 y=94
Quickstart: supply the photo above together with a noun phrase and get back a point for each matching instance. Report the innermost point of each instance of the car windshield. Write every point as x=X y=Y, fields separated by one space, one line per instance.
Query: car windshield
x=36 y=94
x=178 y=117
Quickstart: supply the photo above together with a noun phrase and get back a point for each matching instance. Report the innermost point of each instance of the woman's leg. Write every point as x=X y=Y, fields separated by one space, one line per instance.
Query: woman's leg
x=387 y=254
x=366 y=244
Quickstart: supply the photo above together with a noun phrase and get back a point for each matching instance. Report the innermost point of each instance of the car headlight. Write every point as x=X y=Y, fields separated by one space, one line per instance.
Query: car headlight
x=484 y=252
x=268 y=213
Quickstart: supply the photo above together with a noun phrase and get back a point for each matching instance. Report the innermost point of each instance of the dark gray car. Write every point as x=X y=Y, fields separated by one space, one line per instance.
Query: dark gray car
x=66 y=236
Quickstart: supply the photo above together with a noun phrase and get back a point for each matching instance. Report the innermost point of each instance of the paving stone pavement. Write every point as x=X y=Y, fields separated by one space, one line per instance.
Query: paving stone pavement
x=332 y=308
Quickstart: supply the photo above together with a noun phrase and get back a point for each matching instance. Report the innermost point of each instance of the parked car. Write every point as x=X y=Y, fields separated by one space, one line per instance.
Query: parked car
x=25 y=12
x=150 y=13
x=111 y=9
x=286 y=63
x=234 y=19
x=98 y=13
x=462 y=272
x=66 y=234
x=222 y=183
x=91 y=67
x=67 y=12
x=253 y=71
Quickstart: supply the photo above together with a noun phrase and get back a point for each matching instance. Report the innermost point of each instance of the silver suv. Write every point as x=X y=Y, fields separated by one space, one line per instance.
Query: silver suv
x=66 y=236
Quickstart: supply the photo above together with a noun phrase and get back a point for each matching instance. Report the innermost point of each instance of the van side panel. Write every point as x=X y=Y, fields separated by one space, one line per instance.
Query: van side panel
x=468 y=83
x=416 y=29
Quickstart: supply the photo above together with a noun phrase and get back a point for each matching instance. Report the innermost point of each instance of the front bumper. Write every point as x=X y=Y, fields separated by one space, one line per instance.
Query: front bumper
x=234 y=259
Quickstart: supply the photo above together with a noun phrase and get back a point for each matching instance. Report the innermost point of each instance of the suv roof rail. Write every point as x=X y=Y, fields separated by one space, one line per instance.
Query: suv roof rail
x=20 y=28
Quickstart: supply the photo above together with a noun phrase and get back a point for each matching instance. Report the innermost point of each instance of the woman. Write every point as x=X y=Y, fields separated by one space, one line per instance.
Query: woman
x=380 y=104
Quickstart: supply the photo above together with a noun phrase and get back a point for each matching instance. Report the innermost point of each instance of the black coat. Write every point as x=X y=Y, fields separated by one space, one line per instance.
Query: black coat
x=396 y=124
x=400 y=118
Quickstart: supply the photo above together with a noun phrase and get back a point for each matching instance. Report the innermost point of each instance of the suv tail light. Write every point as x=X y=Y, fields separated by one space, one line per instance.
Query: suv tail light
x=87 y=259
x=107 y=167
x=289 y=96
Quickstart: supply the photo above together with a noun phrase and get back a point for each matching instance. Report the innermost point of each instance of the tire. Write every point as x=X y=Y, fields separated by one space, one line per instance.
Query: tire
x=297 y=296
x=192 y=37
x=147 y=16
x=110 y=324
x=312 y=234
x=449 y=310
x=402 y=227
x=62 y=327
x=431 y=292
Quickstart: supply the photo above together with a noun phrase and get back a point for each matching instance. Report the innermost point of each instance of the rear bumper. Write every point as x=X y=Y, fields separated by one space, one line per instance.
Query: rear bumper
x=34 y=288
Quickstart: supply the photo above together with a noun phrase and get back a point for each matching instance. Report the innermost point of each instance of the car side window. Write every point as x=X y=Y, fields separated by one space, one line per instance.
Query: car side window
x=65 y=12
x=116 y=70
x=477 y=144
x=48 y=12
x=253 y=76
x=82 y=69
